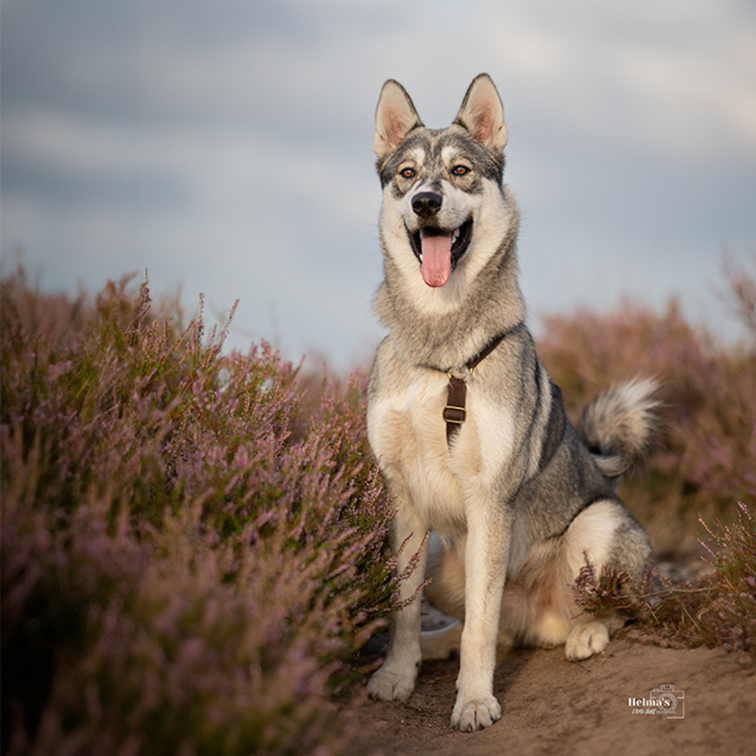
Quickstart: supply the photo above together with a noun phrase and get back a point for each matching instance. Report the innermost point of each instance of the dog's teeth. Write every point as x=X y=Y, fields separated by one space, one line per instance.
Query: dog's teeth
x=455 y=235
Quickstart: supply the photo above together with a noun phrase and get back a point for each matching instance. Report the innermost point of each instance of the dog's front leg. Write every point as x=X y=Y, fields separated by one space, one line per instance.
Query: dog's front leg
x=486 y=552
x=395 y=680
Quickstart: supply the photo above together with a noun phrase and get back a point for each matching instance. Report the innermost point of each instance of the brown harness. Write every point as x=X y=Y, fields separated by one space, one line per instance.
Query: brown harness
x=455 y=412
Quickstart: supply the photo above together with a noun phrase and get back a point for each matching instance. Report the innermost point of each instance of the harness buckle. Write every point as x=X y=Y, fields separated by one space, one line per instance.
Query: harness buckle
x=455 y=414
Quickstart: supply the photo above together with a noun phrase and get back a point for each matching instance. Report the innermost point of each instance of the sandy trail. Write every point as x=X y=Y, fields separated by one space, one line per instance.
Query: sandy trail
x=553 y=706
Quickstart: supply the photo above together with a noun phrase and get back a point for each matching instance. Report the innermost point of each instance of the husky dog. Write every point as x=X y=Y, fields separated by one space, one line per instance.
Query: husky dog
x=468 y=428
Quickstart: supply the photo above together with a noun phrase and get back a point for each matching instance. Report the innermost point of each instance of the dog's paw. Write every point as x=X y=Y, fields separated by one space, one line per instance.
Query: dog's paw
x=475 y=714
x=392 y=683
x=585 y=641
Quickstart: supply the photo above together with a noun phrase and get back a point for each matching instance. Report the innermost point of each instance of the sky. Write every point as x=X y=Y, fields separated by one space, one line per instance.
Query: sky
x=225 y=148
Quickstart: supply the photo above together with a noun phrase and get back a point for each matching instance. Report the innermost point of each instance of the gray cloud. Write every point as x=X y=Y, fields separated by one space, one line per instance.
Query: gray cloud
x=226 y=146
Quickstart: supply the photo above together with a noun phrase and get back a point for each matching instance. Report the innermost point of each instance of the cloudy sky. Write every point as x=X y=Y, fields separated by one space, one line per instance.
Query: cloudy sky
x=226 y=147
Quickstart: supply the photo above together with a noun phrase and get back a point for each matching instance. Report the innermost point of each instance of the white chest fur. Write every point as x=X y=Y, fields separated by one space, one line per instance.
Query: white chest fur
x=408 y=435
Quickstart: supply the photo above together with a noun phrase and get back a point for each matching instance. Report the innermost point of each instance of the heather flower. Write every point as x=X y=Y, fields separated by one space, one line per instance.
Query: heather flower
x=705 y=458
x=188 y=555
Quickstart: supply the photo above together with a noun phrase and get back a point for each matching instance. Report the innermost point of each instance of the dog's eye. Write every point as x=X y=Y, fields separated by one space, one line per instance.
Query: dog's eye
x=407 y=173
x=460 y=170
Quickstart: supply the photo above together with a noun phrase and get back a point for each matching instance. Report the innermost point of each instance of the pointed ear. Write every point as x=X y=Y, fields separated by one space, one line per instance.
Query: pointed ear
x=482 y=114
x=395 y=117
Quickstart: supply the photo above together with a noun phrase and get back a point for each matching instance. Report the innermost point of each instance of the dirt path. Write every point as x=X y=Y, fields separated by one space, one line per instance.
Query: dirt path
x=553 y=706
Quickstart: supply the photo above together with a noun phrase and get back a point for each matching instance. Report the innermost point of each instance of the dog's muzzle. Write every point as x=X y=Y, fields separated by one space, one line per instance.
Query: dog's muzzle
x=437 y=248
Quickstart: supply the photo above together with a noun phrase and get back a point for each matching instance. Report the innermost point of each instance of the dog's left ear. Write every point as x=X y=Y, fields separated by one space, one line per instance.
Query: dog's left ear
x=482 y=114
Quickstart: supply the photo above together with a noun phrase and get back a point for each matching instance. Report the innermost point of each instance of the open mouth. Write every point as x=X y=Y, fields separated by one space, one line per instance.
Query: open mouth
x=439 y=250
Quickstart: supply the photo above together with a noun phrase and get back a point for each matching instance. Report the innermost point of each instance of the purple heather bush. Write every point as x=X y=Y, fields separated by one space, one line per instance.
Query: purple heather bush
x=720 y=610
x=702 y=470
x=192 y=541
x=726 y=610
x=704 y=461
x=187 y=555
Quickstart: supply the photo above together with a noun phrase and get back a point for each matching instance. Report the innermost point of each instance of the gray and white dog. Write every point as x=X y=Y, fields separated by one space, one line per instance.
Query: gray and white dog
x=468 y=428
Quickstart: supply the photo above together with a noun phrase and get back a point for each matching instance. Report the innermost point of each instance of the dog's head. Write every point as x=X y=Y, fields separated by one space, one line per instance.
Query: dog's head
x=442 y=189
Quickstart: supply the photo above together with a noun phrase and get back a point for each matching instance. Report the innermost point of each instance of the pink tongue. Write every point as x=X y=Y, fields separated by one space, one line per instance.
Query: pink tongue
x=436 y=266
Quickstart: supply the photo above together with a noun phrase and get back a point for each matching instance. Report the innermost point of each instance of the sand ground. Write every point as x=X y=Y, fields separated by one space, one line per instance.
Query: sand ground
x=553 y=706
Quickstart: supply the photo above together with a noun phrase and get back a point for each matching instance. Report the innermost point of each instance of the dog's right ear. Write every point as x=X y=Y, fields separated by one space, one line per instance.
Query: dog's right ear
x=395 y=117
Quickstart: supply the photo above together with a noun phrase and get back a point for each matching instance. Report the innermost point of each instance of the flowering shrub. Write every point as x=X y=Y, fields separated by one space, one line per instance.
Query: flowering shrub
x=192 y=541
x=706 y=457
x=720 y=611
x=612 y=591
x=186 y=556
x=705 y=461
x=727 y=612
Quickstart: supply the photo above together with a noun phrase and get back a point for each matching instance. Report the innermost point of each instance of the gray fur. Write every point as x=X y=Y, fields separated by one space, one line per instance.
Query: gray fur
x=518 y=501
x=619 y=424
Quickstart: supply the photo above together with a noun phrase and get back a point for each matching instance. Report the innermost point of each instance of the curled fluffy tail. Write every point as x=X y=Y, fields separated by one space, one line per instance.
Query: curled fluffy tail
x=618 y=425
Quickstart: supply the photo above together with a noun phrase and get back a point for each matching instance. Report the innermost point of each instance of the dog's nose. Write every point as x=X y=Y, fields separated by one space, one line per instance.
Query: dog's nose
x=426 y=203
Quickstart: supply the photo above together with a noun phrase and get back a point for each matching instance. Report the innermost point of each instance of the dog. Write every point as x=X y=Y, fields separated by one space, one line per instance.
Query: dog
x=469 y=431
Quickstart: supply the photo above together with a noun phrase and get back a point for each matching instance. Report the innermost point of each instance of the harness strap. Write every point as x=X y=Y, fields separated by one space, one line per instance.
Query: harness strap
x=455 y=413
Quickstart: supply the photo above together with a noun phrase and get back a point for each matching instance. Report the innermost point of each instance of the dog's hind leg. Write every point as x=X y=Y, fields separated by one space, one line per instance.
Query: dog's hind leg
x=590 y=636
x=604 y=534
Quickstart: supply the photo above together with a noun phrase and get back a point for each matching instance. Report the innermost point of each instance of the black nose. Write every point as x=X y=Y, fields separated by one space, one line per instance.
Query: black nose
x=426 y=203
